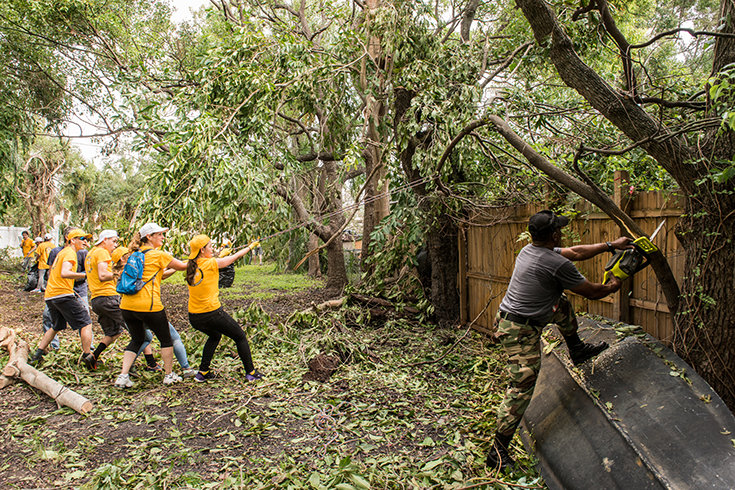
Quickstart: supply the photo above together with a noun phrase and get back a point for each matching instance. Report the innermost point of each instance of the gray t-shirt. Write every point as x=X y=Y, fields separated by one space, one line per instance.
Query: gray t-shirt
x=540 y=277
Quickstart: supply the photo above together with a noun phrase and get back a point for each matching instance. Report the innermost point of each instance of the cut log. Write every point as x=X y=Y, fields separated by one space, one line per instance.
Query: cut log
x=331 y=304
x=18 y=368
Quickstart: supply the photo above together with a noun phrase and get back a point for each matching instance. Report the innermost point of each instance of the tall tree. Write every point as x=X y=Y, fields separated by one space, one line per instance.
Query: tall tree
x=696 y=151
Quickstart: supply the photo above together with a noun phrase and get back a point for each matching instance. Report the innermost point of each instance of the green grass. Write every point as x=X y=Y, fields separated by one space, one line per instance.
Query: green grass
x=260 y=281
x=270 y=278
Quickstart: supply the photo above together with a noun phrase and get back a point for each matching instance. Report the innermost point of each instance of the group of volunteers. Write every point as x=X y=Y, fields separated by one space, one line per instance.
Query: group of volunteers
x=124 y=287
x=535 y=297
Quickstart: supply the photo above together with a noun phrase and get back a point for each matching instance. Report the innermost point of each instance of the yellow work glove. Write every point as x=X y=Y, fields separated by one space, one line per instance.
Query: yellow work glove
x=254 y=244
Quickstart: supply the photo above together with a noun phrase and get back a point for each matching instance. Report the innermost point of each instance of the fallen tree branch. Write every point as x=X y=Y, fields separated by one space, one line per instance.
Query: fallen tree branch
x=18 y=368
x=449 y=349
x=658 y=261
x=370 y=300
x=331 y=304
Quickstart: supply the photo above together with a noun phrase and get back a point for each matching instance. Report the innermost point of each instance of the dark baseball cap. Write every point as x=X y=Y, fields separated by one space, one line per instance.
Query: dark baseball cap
x=546 y=221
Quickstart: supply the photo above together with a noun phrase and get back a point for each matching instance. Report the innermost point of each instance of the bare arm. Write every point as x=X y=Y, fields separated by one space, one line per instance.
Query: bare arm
x=230 y=259
x=103 y=272
x=584 y=252
x=68 y=273
x=594 y=290
x=172 y=267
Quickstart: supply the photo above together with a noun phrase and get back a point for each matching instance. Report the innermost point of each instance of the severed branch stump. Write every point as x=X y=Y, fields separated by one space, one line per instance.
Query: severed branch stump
x=18 y=368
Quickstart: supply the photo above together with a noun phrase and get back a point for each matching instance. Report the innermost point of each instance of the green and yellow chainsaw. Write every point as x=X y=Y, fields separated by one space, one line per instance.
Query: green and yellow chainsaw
x=625 y=263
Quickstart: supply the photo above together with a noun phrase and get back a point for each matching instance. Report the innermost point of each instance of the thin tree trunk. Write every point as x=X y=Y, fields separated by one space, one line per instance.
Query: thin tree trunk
x=373 y=87
x=314 y=266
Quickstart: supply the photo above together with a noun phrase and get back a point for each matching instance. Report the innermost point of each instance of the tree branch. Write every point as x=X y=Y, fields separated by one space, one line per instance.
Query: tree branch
x=599 y=199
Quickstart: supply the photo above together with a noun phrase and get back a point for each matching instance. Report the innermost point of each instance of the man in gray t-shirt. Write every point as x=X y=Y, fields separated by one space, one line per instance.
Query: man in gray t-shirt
x=535 y=297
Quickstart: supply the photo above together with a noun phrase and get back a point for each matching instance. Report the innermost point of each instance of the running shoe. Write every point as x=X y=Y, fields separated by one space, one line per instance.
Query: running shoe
x=201 y=377
x=171 y=378
x=89 y=361
x=254 y=376
x=123 y=381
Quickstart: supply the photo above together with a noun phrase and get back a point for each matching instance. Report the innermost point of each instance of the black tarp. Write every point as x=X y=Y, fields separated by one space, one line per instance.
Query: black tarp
x=637 y=416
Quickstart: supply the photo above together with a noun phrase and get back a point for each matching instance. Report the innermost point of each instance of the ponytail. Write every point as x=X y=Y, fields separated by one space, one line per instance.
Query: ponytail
x=137 y=242
x=191 y=269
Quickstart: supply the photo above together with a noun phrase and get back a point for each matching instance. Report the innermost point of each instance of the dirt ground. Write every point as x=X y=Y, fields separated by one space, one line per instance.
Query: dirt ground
x=195 y=434
x=187 y=413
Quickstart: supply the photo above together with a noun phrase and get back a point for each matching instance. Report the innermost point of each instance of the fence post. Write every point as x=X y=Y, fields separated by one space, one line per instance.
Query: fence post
x=462 y=274
x=621 y=300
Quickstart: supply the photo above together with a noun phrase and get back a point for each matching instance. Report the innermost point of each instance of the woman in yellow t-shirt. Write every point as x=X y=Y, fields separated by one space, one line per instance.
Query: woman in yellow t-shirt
x=144 y=309
x=205 y=310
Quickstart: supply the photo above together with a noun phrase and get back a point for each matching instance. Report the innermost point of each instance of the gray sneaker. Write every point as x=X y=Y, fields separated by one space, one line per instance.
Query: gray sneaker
x=171 y=378
x=123 y=381
x=189 y=373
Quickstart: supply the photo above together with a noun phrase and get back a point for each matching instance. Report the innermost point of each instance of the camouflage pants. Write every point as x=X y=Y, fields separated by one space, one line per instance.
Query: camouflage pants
x=522 y=343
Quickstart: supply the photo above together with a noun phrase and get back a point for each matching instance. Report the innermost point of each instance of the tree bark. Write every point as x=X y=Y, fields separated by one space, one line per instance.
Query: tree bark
x=373 y=87
x=705 y=323
x=442 y=246
x=18 y=368
x=314 y=265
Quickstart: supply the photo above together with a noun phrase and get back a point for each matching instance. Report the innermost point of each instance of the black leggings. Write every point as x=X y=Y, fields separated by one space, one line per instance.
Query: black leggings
x=138 y=321
x=215 y=324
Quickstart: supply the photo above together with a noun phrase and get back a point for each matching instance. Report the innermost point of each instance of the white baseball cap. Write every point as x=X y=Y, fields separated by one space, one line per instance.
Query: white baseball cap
x=150 y=228
x=48 y=236
x=38 y=239
x=105 y=234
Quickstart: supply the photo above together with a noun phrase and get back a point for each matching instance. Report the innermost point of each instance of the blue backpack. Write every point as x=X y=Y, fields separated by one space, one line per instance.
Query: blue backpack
x=131 y=279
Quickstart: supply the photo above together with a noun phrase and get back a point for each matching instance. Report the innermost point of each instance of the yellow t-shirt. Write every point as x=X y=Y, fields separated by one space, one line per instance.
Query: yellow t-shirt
x=204 y=296
x=42 y=251
x=96 y=287
x=149 y=298
x=57 y=285
x=26 y=246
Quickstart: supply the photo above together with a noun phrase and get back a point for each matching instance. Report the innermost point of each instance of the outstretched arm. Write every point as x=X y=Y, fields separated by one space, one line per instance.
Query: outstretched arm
x=230 y=259
x=172 y=267
x=584 y=252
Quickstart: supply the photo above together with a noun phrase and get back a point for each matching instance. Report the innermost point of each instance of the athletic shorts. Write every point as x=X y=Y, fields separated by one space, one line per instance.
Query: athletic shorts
x=108 y=314
x=68 y=310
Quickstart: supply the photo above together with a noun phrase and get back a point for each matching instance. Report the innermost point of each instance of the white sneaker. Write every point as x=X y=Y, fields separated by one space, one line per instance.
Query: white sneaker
x=189 y=373
x=123 y=381
x=171 y=378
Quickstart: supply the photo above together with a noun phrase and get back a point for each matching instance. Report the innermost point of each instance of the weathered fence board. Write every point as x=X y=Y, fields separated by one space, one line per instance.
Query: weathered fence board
x=493 y=240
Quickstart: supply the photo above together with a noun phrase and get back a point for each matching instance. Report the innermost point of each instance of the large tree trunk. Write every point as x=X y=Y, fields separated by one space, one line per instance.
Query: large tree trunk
x=705 y=327
x=443 y=255
x=336 y=270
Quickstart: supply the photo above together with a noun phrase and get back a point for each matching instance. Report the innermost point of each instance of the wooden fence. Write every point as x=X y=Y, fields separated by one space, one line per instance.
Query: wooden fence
x=488 y=246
